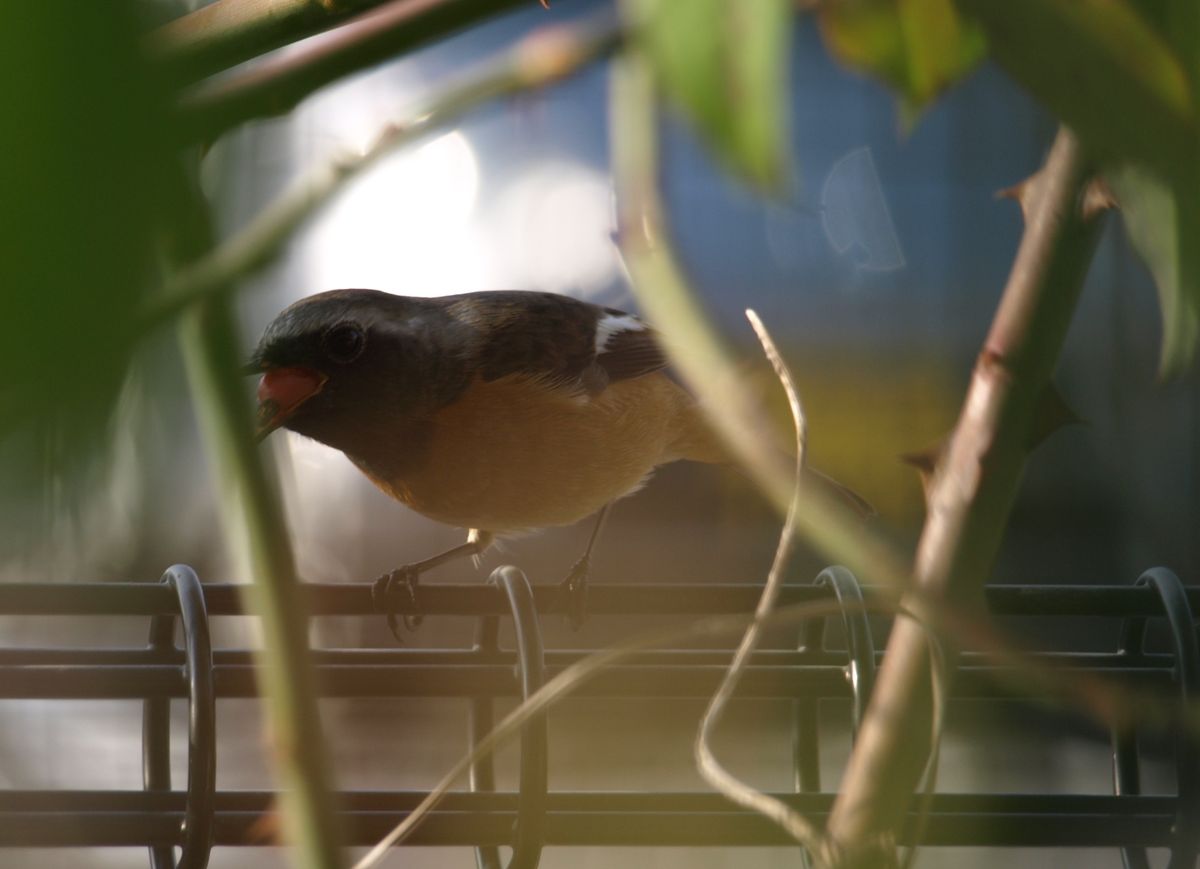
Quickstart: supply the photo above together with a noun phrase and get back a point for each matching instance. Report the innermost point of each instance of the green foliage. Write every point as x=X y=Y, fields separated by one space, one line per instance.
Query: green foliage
x=725 y=65
x=1182 y=27
x=1165 y=229
x=1101 y=68
x=1123 y=74
x=1125 y=77
x=83 y=140
x=919 y=47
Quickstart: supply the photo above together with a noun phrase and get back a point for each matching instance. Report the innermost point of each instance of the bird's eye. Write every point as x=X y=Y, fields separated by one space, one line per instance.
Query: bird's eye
x=344 y=342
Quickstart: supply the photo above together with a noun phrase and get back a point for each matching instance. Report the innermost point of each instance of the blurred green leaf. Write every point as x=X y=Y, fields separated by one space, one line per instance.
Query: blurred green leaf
x=919 y=47
x=1183 y=28
x=82 y=141
x=1103 y=69
x=1164 y=225
x=1122 y=75
x=725 y=64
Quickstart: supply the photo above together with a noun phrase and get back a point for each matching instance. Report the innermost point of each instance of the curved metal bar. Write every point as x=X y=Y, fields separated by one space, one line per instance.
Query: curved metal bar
x=1126 y=766
x=529 y=832
x=860 y=646
x=202 y=730
x=1182 y=624
x=156 y=735
x=480 y=720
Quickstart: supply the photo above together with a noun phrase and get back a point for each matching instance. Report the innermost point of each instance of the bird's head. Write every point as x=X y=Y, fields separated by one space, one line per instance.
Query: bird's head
x=344 y=366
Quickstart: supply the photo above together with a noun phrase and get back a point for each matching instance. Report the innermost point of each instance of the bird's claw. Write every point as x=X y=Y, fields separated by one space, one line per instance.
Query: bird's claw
x=405 y=579
x=574 y=591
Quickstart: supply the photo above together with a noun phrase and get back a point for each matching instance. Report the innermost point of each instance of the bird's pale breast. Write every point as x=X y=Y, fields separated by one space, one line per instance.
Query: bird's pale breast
x=515 y=454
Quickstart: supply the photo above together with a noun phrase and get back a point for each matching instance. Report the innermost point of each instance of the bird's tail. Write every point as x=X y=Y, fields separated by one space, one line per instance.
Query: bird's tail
x=843 y=493
x=699 y=443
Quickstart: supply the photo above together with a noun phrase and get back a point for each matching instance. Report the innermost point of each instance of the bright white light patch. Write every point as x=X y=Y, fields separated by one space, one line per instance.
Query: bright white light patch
x=404 y=226
x=552 y=230
x=321 y=492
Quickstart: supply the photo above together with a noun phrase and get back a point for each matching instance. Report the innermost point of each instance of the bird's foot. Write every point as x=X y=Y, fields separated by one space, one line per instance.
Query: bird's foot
x=573 y=591
x=405 y=581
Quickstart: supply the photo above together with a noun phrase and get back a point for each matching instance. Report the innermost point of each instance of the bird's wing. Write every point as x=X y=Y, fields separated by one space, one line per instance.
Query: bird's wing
x=562 y=341
x=629 y=348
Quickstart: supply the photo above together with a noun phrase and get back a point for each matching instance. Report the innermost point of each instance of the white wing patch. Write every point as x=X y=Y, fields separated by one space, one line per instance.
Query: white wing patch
x=612 y=324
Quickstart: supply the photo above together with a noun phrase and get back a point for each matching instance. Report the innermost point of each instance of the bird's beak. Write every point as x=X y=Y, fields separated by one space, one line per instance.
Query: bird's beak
x=281 y=391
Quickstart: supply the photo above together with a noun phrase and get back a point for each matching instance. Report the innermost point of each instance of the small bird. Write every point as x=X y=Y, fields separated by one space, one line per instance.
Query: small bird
x=500 y=412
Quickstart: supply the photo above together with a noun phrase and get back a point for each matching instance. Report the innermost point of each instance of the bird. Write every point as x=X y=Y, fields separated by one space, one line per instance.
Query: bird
x=501 y=411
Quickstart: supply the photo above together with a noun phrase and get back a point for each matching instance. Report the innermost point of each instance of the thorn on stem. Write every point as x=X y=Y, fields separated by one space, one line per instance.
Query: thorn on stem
x=925 y=462
x=1022 y=193
x=1097 y=198
x=548 y=55
x=1051 y=414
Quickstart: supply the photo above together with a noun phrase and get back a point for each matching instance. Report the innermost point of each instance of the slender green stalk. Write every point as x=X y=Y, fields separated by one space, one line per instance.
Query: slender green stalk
x=255 y=524
x=970 y=497
x=537 y=61
x=699 y=353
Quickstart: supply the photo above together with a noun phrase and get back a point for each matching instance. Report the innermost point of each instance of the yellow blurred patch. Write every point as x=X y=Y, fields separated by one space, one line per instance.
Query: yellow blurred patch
x=864 y=410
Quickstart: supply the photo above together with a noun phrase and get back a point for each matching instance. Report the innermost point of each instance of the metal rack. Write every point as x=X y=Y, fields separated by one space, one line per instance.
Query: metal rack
x=201 y=817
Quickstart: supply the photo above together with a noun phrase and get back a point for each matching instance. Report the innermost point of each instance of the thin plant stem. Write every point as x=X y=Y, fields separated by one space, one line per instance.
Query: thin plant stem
x=255 y=526
x=793 y=823
x=804 y=831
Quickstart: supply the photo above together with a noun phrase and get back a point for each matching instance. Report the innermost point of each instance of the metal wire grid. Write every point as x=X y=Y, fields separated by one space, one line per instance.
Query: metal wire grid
x=196 y=819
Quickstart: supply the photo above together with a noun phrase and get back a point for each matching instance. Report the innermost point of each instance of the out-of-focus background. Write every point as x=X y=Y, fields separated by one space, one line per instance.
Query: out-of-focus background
x=878 y=273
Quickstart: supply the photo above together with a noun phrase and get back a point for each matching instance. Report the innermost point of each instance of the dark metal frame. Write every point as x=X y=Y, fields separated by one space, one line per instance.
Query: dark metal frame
x=200 y=817
x=1185 y=844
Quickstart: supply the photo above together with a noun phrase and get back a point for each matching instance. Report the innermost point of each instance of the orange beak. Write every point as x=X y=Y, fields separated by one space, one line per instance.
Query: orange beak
x=281 y=391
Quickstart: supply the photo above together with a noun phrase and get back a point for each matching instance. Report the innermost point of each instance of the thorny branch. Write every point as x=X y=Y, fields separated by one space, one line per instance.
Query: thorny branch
x=225 y=33
x=275 y=85
x=971 y=493
x=537 y=61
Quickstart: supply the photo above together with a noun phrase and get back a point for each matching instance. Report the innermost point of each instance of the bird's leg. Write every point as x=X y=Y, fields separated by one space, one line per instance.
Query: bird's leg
x=574 y=587
x=408 y=577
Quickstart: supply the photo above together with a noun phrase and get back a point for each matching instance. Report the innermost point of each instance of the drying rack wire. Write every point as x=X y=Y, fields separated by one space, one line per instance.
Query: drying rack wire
x=180 y=828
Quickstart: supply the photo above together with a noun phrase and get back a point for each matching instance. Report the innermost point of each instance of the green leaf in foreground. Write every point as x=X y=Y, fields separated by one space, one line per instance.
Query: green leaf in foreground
x=83 y=141
x=1183 y=29
x=919 y=47
x=1101 y=68
x=725 y=64
x=1164 y=225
